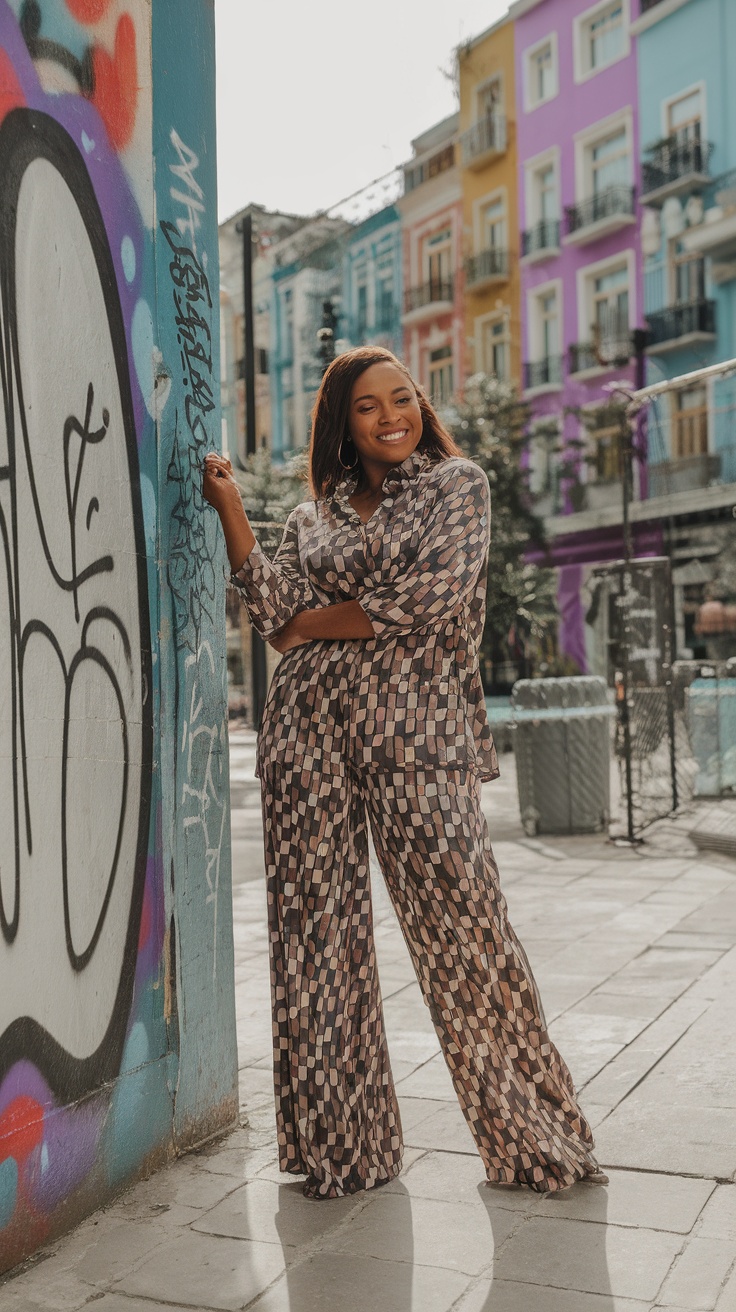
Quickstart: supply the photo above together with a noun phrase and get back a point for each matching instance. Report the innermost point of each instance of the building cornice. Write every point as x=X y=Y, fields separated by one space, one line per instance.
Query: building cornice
x=677 y=503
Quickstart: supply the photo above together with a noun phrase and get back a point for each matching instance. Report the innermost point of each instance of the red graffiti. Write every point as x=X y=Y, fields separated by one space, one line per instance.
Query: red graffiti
x=11 y=95
x=116 y=83
x=21 y=1128
x=88 y=11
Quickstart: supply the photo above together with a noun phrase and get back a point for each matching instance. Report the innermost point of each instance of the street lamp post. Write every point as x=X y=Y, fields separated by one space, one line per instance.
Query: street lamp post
x=259 y=672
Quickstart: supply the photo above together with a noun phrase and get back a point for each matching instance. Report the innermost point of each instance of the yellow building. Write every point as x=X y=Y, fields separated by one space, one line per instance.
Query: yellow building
x=490 y=203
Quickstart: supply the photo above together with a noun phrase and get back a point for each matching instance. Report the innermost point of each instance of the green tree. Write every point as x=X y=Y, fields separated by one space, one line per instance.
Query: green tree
x=270 y=493
x=490 y=424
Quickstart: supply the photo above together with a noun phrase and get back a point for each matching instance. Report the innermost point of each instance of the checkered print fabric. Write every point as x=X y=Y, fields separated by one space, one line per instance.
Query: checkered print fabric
x=391 y=733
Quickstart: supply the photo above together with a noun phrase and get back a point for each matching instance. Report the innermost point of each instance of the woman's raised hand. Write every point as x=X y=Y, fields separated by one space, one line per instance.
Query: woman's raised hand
x=220 y=489
x=218 y=483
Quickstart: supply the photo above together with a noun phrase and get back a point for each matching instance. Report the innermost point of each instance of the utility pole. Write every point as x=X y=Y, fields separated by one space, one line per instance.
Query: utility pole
x=259 y=672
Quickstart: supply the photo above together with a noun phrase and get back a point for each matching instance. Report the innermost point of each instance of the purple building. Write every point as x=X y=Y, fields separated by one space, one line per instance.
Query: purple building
x=577 y=134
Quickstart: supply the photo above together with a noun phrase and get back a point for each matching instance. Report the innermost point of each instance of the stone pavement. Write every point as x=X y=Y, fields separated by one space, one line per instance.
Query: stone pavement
x=635 y=953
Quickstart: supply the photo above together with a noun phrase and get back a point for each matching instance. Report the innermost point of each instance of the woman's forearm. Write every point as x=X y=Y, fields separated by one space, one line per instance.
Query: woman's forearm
x=345 y=620
x=239 y=537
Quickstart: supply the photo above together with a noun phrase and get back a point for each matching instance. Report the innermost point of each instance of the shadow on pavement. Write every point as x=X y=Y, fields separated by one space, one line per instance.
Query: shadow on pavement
x=545 y=1255
x=364 y=1264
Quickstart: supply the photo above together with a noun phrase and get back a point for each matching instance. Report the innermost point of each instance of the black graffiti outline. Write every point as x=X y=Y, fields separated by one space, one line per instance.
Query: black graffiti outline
x=26 y=136
x=190 y=570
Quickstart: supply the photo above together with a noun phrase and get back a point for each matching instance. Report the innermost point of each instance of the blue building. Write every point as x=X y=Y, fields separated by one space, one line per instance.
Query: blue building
x=371 y=284
x=687 y=117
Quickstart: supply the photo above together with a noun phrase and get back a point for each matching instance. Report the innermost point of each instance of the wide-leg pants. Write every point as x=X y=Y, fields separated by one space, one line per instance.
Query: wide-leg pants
x=337 y=1113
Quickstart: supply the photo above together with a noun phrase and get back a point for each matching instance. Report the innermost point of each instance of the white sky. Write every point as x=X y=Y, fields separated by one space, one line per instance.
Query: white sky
x=316 y=98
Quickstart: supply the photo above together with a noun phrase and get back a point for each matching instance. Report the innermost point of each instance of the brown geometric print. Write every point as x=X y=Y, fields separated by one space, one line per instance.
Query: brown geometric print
x=413 y=694
x=393 y=730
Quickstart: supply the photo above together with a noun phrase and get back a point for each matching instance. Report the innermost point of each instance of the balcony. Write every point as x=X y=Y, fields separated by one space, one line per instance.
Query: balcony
x=484 y=141
x=683 y=474
x=431 y=298
x=598 y=216
x=486 y=268
x=541 y=242
x=420 y=171
x=596 y=357
x=543 y=375
x=681 y=325
x=715 y=236
x=677 y=166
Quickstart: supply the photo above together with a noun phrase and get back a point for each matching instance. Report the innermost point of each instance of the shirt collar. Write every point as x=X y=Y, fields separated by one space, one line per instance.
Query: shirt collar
x=409 y=468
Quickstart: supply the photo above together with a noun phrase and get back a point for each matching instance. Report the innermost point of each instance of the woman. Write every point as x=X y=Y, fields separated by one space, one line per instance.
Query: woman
x=376 y=715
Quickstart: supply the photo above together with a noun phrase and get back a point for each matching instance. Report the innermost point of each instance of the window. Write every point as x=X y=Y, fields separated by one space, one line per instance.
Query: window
x=493 y=225
x=440 y=375
x=690 y=437
x=361 y=310
x=684 y=116
x=385 y=302
x=545 y=188
x=604 y=435
x=549 y=325
x=261 y=360
x=687 y=275
x=489 y=98
x=609 y=161
x=287 y=326
x=610 y=306
x=541 y=73
x=438 y=261
x=601 y=37
x=542 y=446
x=495 y=347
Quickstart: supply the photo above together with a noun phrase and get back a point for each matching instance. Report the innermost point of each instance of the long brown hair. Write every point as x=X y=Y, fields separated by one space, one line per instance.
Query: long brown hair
x=332 y=409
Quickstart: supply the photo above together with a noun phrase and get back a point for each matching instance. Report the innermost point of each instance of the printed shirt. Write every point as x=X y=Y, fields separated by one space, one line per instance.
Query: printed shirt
x=410 y=697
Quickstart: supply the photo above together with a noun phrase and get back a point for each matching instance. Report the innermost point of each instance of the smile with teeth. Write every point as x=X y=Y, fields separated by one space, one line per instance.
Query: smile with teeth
x=393 y=437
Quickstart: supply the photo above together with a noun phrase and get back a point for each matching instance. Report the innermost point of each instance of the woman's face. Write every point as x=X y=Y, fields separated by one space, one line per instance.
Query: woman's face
x=385 y=421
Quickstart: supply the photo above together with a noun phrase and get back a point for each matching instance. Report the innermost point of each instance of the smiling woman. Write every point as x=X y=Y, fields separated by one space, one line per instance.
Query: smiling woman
x=376 y=716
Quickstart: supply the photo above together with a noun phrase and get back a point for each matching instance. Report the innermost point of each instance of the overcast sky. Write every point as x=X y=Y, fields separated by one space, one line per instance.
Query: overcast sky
x=316 y=98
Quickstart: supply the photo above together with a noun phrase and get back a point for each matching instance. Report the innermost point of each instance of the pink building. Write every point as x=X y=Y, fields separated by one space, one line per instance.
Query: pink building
x=577 y=136
x=432 y=233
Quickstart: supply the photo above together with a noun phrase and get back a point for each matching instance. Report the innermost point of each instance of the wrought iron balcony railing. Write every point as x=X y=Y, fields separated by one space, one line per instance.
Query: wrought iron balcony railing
x=492 y=263
x=429 y=293
x=546 y=372
x=607 y=204
x=677 y=321
x=674 y=158
x=544 y=236
x=607 y=353
x=488 y=134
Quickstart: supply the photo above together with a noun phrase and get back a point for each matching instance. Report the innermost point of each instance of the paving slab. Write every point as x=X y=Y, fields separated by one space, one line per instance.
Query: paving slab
x=275 y=1214
x=457 y=1236
x=331 y=1282
x=637 y=1198
x=697 y=1279
x=590 y=1257
x=205 y=1271
x=513 y=1296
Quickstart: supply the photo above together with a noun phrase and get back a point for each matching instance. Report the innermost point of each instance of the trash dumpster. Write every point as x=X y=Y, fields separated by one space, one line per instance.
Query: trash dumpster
x=563 y=754
x=711 y=722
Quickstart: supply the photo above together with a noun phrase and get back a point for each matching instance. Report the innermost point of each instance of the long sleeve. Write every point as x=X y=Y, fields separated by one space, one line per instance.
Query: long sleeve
x=274 y=591
x=445 y=570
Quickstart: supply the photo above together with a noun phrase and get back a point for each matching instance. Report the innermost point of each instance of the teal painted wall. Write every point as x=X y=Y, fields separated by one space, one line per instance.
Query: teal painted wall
x=117 y=1034
x=694 y=47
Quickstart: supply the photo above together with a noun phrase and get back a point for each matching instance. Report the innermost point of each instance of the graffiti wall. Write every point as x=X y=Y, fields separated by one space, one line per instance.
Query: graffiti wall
x=117 y=1040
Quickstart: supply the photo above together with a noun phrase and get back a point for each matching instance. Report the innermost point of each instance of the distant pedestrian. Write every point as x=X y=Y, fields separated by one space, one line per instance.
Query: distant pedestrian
x=376 y=715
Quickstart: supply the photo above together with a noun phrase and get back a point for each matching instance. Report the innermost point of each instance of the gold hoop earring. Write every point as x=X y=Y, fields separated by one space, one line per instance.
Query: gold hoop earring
x=349 y=469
